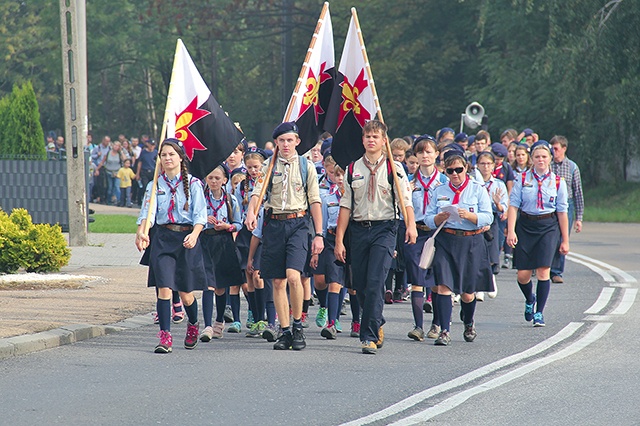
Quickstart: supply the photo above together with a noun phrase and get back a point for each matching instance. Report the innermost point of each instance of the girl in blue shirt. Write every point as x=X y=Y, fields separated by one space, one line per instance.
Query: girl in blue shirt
x=538 y=226
x=175 y=260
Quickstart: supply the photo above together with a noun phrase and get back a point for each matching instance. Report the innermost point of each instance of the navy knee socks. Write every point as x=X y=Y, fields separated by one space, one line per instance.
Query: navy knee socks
x=332 y=305
x=444 y=311
x=468 y=309
x=417 y=300
x=163 y=307
x=542 y=293
x=258 y=314
x=192 y=311
x=235 y=306
x=221 y=304
x=527 y=290
x=207 y=307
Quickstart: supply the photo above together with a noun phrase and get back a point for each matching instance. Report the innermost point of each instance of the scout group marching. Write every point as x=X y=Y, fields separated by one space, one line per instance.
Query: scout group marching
x=343 y=227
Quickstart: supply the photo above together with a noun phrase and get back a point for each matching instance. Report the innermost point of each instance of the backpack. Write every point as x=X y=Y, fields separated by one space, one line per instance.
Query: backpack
x=389 y=179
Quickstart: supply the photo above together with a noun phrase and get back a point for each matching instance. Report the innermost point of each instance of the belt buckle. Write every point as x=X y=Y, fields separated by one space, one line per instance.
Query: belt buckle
x=366 y=223
x=459 y=233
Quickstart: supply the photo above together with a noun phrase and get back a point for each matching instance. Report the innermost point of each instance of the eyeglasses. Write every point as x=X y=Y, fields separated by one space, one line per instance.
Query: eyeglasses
x=457 y=170
x=485 y=164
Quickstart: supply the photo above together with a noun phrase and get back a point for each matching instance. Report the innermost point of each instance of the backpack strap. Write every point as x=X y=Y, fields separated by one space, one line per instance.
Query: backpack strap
x=350 y=181
x=304 y=170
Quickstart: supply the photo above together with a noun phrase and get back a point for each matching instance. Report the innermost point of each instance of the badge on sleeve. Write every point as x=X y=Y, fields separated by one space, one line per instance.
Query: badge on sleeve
x=470 y=209
x=551 y=199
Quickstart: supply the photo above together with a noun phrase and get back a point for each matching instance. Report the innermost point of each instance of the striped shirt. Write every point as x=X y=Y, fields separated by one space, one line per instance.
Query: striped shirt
x=569 y=170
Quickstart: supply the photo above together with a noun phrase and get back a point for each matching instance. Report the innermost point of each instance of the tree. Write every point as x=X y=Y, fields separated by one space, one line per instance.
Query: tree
x=22 y=133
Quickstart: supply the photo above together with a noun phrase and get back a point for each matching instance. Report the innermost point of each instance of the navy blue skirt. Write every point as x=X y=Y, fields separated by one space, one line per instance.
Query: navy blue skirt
x=173 y=266
x=416 y=275
x=243 y=239
x=538 y=241
x=221 y=260
x=493 y=246
x=333 y=273
x=462 y=263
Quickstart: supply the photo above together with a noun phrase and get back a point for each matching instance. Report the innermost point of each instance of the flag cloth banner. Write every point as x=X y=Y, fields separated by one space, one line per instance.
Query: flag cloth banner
x=194 y=117
x=310 y=99
x=352 y=102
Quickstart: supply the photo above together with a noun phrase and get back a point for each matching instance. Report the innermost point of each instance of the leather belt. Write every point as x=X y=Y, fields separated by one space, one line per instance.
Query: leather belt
x=214 y=232
x=537 y=216
x=369 y=223
x=177 y=228
x=461 y=233
x=285 y=216
x=421 y=226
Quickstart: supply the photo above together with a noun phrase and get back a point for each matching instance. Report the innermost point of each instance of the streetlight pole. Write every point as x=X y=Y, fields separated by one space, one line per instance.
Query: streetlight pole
x=73 y=29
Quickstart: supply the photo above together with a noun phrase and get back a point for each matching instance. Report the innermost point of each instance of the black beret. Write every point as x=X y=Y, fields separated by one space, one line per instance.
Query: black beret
x=286 y=127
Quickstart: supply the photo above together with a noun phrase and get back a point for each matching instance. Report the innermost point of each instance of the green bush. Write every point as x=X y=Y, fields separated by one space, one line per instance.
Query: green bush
x=36 y=248
x=20 y=129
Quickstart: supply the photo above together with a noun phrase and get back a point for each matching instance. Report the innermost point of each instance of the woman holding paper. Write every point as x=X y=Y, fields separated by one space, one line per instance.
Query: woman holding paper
x=426 y=179
x=461 y=262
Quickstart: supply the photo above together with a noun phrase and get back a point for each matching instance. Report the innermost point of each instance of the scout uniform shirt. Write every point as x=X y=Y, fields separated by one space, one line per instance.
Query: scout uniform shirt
x=288 y=192
x=381 y=207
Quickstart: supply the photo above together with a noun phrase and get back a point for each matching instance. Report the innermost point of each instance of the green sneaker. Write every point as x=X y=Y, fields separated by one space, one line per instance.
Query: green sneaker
x=321 y=318
x=234 y=327
x=249 y=322
x=338 y=326
x=256 y=329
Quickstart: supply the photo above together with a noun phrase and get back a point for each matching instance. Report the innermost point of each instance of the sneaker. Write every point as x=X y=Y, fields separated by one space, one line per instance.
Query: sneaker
x=298 y=342
x=250 y=321
x=455 y=298
x=338 y=326
x=343 y=308
x=191 y=339
x=235 y=327
x=218 y=329
x=166 y=341
x=506 y=263
x=369 y=348
x=427 y=307
x=321 y=317
x=270 y=333
x=416 y=334
x=380 y=341
x=443 y=339
x=303 y=319
x=433 y=332
x=469 y=332
x=256 y=329
x=355 y=329
x=528 y=309
x=178 y=316
x=480 y=296
x=329 y=332
x=538 y=319
x=228 y=314
x=388 y=297
x=156 y=320
x=283 y=342
x=557 y=279
x=207 y=334
x=494 y=293
x=398 y=297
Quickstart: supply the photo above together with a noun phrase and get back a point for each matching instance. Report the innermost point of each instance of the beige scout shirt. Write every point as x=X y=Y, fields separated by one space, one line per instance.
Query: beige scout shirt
x=382 y=206
x=296 y=200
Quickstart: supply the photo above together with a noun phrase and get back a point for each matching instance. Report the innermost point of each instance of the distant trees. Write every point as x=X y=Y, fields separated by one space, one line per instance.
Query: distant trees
x=20 y=129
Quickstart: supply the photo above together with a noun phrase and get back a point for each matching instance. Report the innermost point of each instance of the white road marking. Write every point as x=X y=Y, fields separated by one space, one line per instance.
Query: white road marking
x=419 y=397
x=602 y=301
x=607 y=277
x=628 y=298
x=596 y=333
x=619 y=272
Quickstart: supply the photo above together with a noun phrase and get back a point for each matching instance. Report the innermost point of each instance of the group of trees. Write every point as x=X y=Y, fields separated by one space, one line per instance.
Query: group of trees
x=558 y=66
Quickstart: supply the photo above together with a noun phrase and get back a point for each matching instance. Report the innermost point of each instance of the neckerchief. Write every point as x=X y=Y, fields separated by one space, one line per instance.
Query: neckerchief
x=496 y=172
x=209 y=196
x=425 y=194
x=458 y=191
x=371 y=189
x=285 y=180
x=173 y=190
x=540 y=180
x=335 y=189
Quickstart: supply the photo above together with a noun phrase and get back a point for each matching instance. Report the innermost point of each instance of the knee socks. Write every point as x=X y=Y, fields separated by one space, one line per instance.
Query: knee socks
x=527 y=290
x=332 y=305
x=417 y=300
x=192 y=311
x=258 y=314
x=235 y=306
x=251 y=300
x=444 y=311
x=221 y=304
x=322 y=297
x=434 y=303
x=542 y=293
x=468 y=309
x=163 y=307
x=355 y=308
x=207 y=307
x=271 y=312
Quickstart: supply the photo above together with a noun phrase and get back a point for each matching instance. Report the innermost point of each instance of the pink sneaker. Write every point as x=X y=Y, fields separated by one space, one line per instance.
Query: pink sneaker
x=178 y=313
x=166 y=341
x=355 y=329
x=191 y=339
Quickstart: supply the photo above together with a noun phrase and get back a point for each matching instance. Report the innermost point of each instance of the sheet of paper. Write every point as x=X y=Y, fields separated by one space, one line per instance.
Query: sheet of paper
x=452 y=209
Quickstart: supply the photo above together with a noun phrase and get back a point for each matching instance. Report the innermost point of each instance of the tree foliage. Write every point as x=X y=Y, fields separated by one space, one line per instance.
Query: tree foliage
x=20 y=129
x=559 y=66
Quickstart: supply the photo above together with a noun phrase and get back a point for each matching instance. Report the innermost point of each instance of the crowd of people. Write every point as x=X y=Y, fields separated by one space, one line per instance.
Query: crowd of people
x=287 y=228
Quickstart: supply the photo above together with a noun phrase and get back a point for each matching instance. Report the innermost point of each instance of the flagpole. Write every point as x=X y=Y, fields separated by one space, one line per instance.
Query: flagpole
x=396 y=181
x=163 y=133
x=289 y=111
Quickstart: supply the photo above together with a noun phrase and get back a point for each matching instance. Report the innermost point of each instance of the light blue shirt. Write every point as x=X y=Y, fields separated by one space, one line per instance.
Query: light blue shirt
x=241 y=194
x=492 y=186
x=524 y=196
x=197 y=213
x=418 y=195
x=474 y=198
x=260 y=222
x=223 y=213
x=330 y=211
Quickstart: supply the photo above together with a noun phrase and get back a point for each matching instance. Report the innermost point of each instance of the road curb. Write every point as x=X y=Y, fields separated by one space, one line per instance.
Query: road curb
x=20 y=345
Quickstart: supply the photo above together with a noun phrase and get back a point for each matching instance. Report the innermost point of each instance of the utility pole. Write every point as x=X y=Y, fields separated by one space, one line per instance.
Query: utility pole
x=73 y=29
x=287 y=47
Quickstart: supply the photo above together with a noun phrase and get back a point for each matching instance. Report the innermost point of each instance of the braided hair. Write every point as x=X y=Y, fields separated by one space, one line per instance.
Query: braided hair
x=184 y=169
x=251 y=155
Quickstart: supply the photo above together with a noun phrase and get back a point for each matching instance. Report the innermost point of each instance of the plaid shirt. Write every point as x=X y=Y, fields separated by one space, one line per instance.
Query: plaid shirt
x=569 y=170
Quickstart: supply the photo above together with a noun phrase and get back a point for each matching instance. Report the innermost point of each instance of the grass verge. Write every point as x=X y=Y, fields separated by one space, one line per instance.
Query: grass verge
x=113 y=224
x=618 y=202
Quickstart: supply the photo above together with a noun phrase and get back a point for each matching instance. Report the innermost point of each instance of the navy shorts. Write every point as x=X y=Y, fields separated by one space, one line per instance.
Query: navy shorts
x=327 y=266
x=285 y=244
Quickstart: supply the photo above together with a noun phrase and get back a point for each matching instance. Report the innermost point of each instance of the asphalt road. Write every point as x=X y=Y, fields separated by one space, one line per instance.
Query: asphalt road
x=581 y=369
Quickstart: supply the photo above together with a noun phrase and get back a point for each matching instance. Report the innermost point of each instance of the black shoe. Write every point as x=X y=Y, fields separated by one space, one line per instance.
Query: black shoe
x=298 y=342
x=427 y=307
x=469 y=332
x=283 y=342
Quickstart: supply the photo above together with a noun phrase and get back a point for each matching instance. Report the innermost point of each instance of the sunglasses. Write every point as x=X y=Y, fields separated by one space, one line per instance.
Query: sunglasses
x=457 y=170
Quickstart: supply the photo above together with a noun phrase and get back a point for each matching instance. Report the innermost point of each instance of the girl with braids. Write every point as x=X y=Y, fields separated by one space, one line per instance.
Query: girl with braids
x=220 y=253
x=259 y=297
x=175 y=258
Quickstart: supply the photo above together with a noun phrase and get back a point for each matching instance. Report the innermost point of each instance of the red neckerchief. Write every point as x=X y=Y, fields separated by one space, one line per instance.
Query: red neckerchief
x=496 y=172
x=487 y=186
x=540 y=180
x=425 y=194
x=173 y=190
x=334 y=189
x=208 y=195
x=458 y=191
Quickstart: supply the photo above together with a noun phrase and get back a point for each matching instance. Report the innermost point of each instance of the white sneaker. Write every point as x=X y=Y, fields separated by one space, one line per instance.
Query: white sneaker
x=480 y=296
x=494 y=293
x=455 y=298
